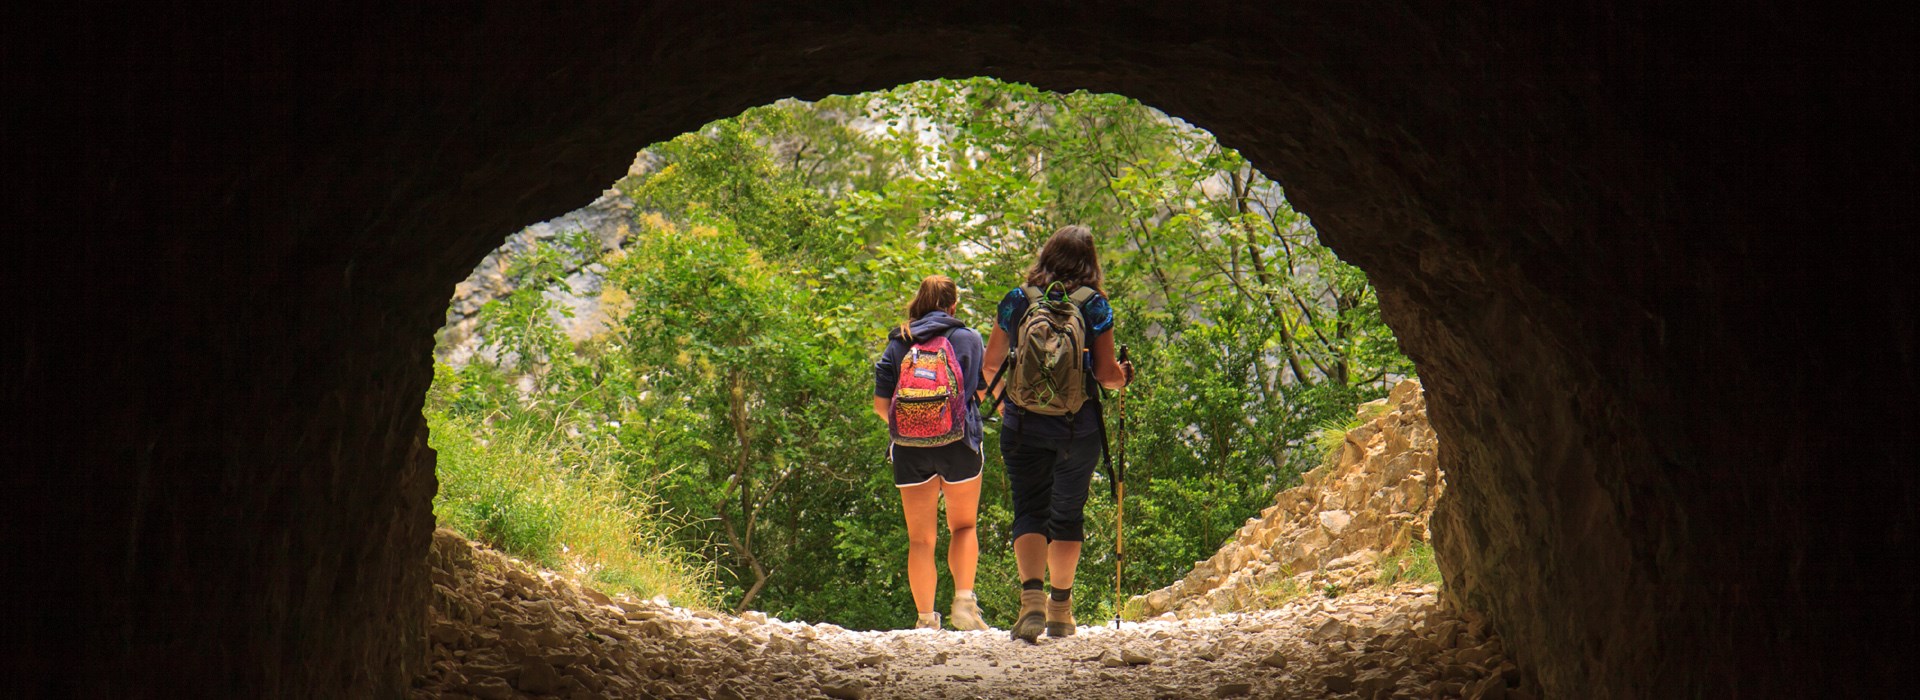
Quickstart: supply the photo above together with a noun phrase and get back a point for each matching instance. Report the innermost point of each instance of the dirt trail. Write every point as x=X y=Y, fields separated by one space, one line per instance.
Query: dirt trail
x=504 y=629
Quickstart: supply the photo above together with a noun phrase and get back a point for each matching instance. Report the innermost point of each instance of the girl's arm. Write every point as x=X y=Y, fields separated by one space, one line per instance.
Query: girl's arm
x=885 y=373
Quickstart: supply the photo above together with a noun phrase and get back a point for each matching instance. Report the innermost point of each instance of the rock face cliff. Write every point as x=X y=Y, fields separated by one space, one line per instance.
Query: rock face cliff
x=1337 y=528
x=607 y=221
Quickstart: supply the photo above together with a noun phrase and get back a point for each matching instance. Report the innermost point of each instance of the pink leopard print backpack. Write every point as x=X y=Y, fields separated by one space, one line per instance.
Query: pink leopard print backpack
x=929 y=406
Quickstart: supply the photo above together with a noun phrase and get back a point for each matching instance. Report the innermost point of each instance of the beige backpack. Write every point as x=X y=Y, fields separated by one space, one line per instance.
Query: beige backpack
x=1047 y=359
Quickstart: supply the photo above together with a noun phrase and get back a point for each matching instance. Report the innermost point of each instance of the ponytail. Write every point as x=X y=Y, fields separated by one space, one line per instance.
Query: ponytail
x=936 y=292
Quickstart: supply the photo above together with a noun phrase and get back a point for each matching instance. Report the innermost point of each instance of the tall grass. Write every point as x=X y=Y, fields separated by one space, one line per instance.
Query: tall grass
x=1414 y=564
x=1330 y=439
x=1330 y=436
x=542 y=499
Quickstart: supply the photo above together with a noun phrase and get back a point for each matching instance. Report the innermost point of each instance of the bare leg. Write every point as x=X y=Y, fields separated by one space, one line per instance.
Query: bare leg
x=1030 y=553
x=1063 y=558
x=963 y=550
x=921 y=503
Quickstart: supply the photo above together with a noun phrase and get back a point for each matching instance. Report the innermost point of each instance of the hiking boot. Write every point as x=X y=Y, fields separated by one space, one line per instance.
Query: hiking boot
x=1033 y=615
x=928 y=621
x=1060 y=618
x=966 y=612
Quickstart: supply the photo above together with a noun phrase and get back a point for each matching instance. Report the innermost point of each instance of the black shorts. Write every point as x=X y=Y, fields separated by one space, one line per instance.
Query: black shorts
x=955 y=462
x=1049 y=479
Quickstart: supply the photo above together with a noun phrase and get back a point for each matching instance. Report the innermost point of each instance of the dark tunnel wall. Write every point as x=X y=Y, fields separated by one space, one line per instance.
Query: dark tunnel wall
x=1654 y=270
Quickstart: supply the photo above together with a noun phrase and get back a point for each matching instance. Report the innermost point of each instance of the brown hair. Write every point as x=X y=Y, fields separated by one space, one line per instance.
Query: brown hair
x=1067 y=259
x=937 y=292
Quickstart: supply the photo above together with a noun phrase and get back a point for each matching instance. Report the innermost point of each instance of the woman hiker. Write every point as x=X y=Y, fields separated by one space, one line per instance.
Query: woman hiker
x=935 y=446
x=1050 y=458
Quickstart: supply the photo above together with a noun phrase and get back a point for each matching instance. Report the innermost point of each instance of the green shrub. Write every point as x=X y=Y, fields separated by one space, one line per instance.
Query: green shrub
x=512 y=522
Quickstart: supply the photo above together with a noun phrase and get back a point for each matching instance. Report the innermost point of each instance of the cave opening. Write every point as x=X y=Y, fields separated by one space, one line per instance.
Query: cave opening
x=1612 y=223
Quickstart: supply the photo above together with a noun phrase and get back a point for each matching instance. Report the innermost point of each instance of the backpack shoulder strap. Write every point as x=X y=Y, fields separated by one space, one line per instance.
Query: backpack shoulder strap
x=1081 y=296
x=1013 y=330
x=1033 y=294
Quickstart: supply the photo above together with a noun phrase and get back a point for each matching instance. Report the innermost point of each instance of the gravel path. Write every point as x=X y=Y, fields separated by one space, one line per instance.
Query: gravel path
x=1311 y=648
x=504 y=629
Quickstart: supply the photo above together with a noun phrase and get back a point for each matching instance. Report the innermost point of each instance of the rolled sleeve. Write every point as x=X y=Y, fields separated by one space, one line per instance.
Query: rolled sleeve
x=1099 y=315
x=1011 y=306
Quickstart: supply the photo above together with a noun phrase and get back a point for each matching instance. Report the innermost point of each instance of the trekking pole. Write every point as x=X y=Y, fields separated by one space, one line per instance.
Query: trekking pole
x=1120 y=501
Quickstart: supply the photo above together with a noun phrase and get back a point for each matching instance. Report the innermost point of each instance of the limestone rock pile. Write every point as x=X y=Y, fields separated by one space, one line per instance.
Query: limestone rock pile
x=1335 y=529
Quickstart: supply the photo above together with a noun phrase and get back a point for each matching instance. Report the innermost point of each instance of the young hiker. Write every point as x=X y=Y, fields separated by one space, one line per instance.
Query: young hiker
x=926 y=387
x=1050 y=437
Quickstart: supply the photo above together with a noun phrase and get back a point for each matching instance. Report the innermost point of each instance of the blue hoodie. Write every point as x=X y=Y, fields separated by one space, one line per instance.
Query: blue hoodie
x=967 y=348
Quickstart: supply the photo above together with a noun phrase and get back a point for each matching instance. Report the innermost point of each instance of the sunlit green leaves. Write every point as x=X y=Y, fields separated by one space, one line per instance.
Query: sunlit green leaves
x=772 y=251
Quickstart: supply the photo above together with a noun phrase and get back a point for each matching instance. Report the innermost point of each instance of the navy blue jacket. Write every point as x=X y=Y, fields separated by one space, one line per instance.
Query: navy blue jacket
x=967 y=348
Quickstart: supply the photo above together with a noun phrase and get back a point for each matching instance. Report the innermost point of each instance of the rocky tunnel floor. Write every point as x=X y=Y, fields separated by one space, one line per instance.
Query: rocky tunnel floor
x=502 y=628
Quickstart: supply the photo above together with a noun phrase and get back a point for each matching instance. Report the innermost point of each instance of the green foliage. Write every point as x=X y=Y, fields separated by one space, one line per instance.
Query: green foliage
x=522 y=325
x=769 y=254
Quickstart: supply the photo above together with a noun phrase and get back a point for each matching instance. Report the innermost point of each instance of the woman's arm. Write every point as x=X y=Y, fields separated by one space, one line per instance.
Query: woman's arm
x=1110 y=374
x=996 y=354
x=880 y=407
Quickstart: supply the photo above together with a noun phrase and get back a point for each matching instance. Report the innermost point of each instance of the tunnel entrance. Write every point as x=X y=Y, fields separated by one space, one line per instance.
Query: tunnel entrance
x=1591 y=221
x=618 y=370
